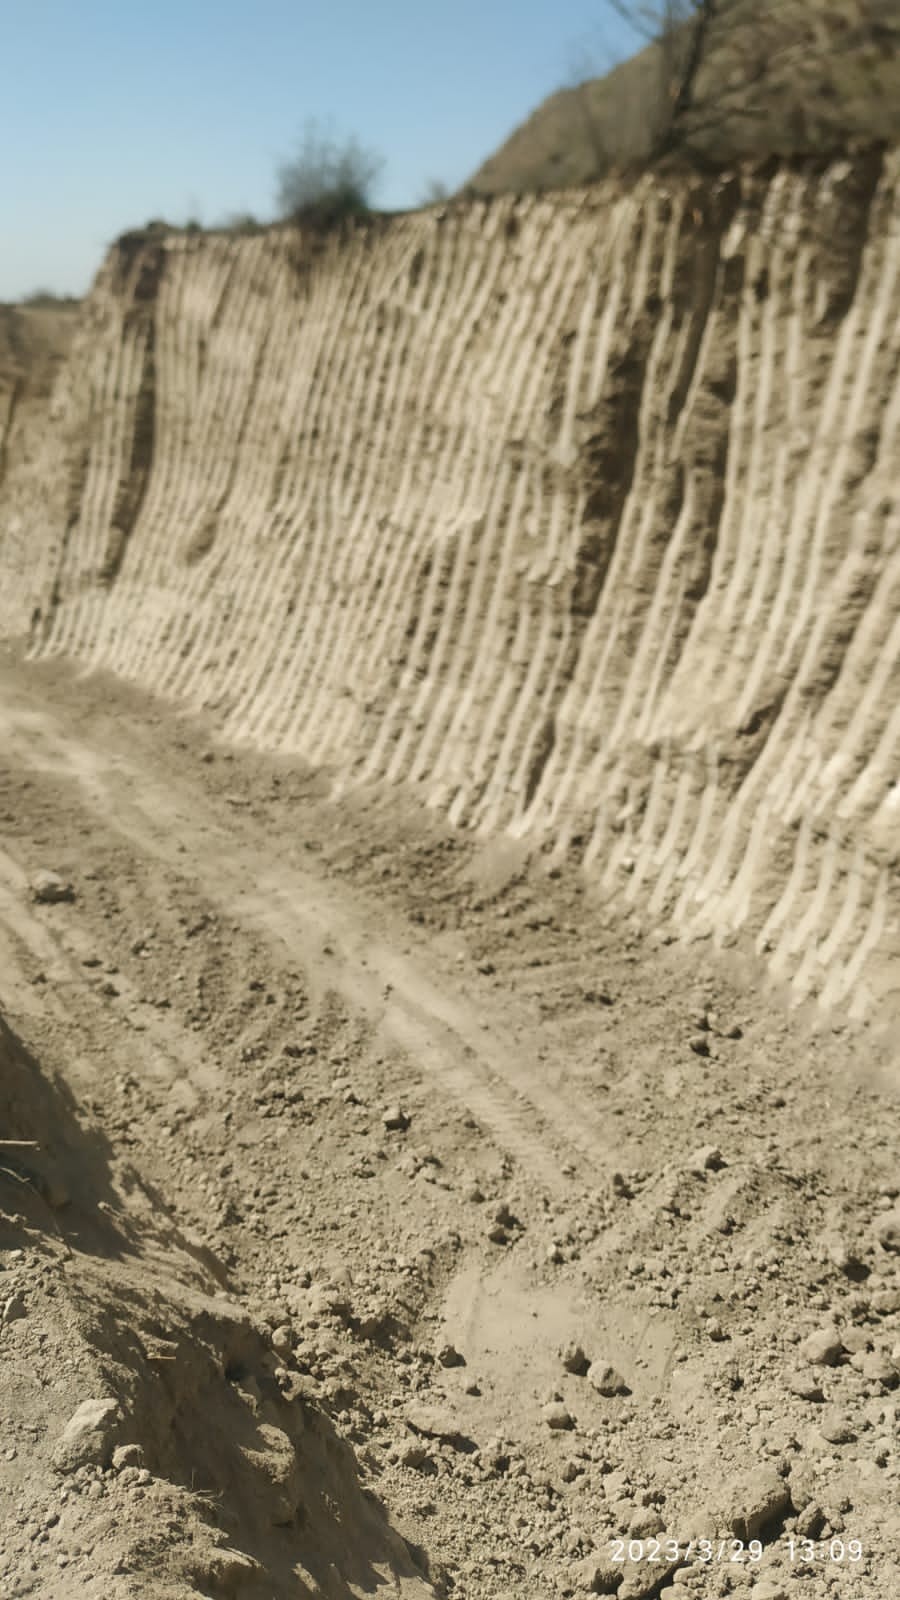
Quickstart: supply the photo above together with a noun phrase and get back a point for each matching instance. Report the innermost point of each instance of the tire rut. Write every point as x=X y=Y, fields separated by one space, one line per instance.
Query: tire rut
x=330 y=933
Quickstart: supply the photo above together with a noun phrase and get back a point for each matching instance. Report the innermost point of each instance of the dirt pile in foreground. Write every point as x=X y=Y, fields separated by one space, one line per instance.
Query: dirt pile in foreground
x=579 y=516
x=152 y=1442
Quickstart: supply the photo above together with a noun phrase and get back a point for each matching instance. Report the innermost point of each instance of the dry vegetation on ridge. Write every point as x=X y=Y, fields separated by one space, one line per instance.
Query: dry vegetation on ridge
x=777 y=77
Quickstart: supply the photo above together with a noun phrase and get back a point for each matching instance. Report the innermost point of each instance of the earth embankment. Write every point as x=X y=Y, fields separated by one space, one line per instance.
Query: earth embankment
x=578 y=516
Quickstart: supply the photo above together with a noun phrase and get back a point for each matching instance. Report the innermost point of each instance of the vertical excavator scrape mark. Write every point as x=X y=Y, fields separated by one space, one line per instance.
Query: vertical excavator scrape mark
x=140 y=321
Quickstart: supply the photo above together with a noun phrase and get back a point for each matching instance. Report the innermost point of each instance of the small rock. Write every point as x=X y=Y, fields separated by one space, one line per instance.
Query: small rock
x=607 y=1380
x=805 y=1387
x=127 y=1455
x=700 y=1044
x=599 y=1575
x=886 y=1301
x=436 y=1422
x=416 y=1456
x=887 y=1230
x=88 y=1438
x=395 y=1119
x=283 y=1340
x=708 y=1158
x=229 y=1571
x=823 y=1348
x=810 y=1521
x=328 y=1300
x=556 y=1415
x=877 y=1368
x=755 y=1502
x=645 y=1523
x=574 y=1359
x=14 y=1309
x=572 y=1469
x=837 y=1428
x=48 y=888
x=449 y=1356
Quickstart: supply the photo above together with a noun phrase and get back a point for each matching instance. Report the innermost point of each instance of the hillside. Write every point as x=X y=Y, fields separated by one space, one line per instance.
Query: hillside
x=801 y=77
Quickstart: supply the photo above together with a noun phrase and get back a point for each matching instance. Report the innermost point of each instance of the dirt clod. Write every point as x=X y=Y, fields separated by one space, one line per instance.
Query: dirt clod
x=887 y=1230
x=89 y=1436
x=823 y=1348
x=557 y=1416
x=755 y=1503
x=574 y=1359
x=606 y=1379
x=50 y=888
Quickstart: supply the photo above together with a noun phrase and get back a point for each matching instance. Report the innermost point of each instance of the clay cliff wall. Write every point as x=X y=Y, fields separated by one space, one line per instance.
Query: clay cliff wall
x=578 y=515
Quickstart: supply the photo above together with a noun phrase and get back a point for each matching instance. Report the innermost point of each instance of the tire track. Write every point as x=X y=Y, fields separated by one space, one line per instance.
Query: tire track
x=336 y=939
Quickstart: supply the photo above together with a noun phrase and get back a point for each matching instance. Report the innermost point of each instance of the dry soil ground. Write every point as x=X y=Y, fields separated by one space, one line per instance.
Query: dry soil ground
x=392 y=1123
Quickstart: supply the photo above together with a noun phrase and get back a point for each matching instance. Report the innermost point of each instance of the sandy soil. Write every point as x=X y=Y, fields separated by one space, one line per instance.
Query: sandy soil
x=580 y=1240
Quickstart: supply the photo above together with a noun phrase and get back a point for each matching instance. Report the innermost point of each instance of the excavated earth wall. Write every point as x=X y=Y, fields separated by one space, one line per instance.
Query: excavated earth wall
x=580 y=515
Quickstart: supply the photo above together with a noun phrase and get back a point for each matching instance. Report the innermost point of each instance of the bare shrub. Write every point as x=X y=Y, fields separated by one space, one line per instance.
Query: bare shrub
x=328 y=179
x=433 y=192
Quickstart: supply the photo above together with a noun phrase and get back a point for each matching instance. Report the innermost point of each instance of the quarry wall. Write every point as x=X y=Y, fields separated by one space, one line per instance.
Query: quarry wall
x=580 y=515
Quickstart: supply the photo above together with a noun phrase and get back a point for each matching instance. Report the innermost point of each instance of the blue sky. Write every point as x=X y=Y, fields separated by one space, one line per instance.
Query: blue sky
x=116 y=111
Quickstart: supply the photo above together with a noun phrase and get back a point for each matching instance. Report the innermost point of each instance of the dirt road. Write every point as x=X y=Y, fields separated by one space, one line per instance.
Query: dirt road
x=430 y=1114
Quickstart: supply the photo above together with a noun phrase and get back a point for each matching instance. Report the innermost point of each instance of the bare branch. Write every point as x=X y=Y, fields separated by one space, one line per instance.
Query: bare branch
x=715 y=64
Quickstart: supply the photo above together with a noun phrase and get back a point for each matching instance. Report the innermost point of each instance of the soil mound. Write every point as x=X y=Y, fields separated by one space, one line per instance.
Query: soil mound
x=153 y=1443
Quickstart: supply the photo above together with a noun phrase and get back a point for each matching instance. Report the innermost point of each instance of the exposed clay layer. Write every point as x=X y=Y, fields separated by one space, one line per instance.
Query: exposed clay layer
x=580 y=515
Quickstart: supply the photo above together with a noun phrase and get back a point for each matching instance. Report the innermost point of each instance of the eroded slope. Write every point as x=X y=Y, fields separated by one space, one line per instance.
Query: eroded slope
x=579 y=516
